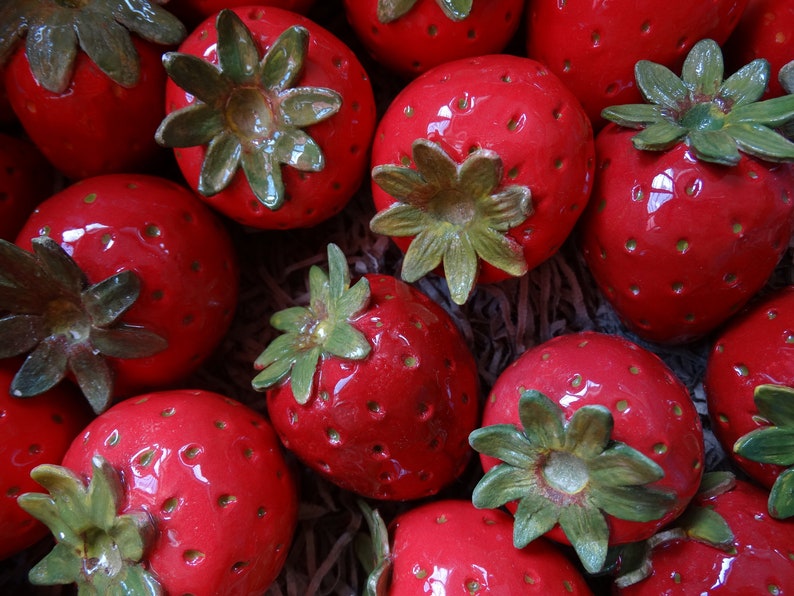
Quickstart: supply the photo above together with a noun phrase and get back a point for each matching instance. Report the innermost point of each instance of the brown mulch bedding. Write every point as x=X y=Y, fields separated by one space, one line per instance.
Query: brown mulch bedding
x=499 y=323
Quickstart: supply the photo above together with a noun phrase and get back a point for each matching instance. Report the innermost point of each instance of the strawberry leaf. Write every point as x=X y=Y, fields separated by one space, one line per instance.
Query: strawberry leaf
x=534 y=517
x=769 y=445
x=776 y=404
x=589 y=534
x=283 y=62
x=239 y=59
x=703 y=69
x=781 y=497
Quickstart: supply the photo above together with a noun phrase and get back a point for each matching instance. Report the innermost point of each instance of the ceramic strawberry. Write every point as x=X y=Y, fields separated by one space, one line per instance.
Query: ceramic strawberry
x=692 y=206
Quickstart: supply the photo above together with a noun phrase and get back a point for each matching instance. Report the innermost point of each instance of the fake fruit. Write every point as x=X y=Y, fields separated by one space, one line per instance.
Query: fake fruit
x=126 y=282
x=195 y=11
x=450 y=547
x=481 y=166
x=371 y=385
x=690 y=215
x=271 y=117
x=591 y=440
x=411 y=36
x=32 y=432
x=174 y=492
x=80 y=75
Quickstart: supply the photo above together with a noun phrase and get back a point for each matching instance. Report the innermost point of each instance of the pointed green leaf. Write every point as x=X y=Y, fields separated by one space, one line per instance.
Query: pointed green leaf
x=133 y=533
x=272 y=374
x=400 y=220
x=19 y=267
x=785 y=76
x=622 y=465
x=220 y=164
x=238 y=56
x=191 y=126
x=457 y=10
x=199 y=78
x=292 y=319
x=715 y=483
x=703 y=68
x=773 y=112
x=281 y=349
x=93 y=376
x=659 y=136
x=62 y=566
x=716 y=146
x=391 y=10
x=304 y=106
x=58 y=264
x=345 y=341
x=659 y=85
x=499 y=251
x=633 y=503
x=768 y=445
x=746 y=85
x=52 y=69
x=137 y=580
x=542 y=420
x=706 y=525
x=105 y=494
x=319 y=291
x=44 y=368
x=263 y=174
x=302 y=378
x=68 y=493
x=587 y=530
x=354 y=300
x=297 y=149
x=481 y=172
x=397 y=181
x=126 y=341
x=109 y=46
x=776 y=404
x=150 y=21
x=508 y=208
x=505 y=443
x=21 y=301
x=762 y=142
x=589 y=431
x=43 y=507
x=461 y=266
x=20 y=333
x=107 y=300
x=503 y=484
x=283 y=61
x=781 y=497
x=633 y=115
x=535 y=516
x=338 y=273
x=437 y=168
x=425 y=254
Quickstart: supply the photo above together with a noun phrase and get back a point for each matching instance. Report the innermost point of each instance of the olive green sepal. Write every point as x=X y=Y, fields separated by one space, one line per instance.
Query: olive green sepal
x=374 y=552
x=567 y=473
x=319 y=330
x=717 y=118
x=64 y=323
x=391 y=10
x=248 y=113
x=97 y=548
x=101 y=28
x=457 y=213
x=774 y=444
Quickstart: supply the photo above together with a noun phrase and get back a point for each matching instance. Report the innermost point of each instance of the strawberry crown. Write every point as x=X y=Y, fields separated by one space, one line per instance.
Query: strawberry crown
x=248 y=111
x=458 y=214
x=321 y=329
x=391 y=10
x=97 y=548
x=774 y=444
x=65 y=323
x=717 y=118
x=567 y=473
x=54 y=29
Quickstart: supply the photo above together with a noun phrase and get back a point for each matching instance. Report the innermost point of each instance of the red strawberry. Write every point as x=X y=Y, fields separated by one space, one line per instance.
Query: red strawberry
x=756 y=558
x=450 y=547
x=593 y=46
x=94 y=109
x=690 y=216
x=173 y=492
x=482 y=165
x=26 y=178
x=412 y=36
x=193 y=12
x=131 y=284
x=271 y=117
x=765 y=30
x=756 y=348
x=32 y=432
x=590 y=439
x=372 y=386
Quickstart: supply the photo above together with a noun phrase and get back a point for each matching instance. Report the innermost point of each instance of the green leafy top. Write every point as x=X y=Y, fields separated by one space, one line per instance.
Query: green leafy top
x=457 y=212
x=391 y=10
x=774 y=444
x=66 y=323
x=97 y=548
x=569 y=474
x=321 y=329
x=716 y=118
x=248 y=111
x=53 y=30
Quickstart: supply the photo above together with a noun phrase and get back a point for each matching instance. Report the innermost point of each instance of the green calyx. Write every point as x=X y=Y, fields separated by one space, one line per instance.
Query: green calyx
x=64 y=323
x=374 y=552
x=319 y=330
x=571 y=474
x=457 y=213
x=717 y=118
x=774 y=444
x=248 y=112
x=391 y=10
x=54 y=29
x=97 y=548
